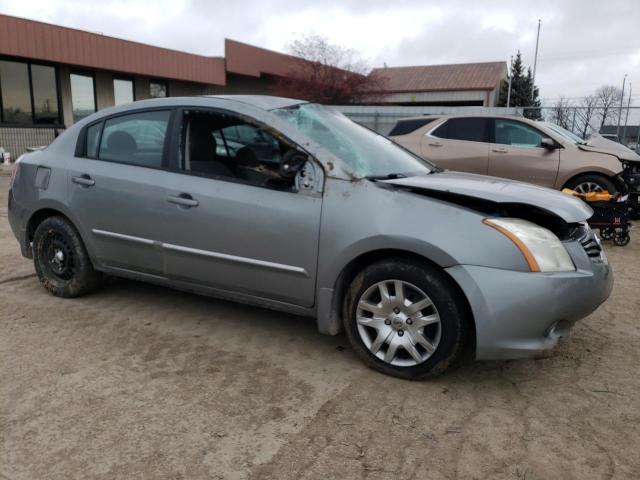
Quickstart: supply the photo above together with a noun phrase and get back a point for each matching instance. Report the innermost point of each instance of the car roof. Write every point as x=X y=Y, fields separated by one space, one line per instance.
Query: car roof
x=265 y=102
x=464 y=115
x=261 y=102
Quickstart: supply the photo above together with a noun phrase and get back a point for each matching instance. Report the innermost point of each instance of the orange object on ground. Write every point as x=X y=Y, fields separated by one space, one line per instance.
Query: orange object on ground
x=591 y=196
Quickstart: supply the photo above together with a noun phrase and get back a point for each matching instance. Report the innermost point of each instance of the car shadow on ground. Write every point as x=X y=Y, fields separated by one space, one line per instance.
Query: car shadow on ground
x=198 y=315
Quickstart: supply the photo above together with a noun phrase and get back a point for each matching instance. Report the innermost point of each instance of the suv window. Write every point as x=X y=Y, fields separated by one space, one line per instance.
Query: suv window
x=518 y=134
x=135 y=139
x=470 y=129
x=404 y=127
x=227 y=147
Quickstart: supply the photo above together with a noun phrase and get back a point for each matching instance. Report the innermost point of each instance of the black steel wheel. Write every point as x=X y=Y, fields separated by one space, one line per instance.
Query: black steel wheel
x=61 y=260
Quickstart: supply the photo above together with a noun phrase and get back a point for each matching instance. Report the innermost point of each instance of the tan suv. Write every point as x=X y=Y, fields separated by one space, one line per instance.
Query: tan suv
x=520 y=149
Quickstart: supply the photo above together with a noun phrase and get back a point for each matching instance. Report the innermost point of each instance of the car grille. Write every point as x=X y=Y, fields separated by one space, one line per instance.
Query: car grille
x=592 y=246
x=589 y=241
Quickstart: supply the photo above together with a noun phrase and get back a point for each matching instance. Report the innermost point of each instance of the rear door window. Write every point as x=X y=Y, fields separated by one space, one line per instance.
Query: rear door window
x=469 y=129
x=135 y=139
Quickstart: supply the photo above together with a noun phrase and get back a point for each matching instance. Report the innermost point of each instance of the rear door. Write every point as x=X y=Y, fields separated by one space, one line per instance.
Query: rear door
x=517 y=153
x=117 y=189
x=459 y=144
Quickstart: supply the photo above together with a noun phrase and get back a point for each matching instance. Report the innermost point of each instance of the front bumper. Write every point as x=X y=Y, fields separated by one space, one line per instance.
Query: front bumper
x=518 y=314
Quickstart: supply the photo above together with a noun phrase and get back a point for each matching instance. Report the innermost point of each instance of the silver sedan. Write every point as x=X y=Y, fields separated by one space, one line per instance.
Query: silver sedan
x=291 y=206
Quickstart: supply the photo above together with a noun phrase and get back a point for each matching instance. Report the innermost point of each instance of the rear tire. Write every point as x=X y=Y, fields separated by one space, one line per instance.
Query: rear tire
x=61 y=260
x=405 y=318
x=592 y=183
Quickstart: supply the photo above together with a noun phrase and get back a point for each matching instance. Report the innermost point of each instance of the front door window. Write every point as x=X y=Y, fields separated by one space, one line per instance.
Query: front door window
x=517 y=134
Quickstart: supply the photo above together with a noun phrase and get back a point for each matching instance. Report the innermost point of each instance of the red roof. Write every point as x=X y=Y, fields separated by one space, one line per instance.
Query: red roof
x=42 y=41
x=428 y=78
x=246 y=59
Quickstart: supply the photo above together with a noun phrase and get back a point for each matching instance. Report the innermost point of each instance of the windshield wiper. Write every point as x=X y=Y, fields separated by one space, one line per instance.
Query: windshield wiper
x=388 y=176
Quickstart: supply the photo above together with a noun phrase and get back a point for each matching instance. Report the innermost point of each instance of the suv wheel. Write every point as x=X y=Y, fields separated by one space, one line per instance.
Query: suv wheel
x=405 y=319
x=592 y=183
x=61 y=260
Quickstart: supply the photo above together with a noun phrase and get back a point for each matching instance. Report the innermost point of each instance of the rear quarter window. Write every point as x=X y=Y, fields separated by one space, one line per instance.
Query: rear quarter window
x=93 y=136
x=404 y=127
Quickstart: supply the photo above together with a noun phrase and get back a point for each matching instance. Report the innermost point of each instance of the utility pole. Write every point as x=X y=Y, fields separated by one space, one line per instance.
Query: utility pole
x=510 y=80
x=626 y=118
x=624 y=80
x=535 y=63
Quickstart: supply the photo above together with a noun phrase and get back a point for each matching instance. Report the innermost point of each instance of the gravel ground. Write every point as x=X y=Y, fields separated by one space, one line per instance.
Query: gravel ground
x=142 y=382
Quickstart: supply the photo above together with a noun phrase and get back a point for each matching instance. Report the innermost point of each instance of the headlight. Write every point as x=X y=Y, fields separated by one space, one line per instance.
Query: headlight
x=542 y=250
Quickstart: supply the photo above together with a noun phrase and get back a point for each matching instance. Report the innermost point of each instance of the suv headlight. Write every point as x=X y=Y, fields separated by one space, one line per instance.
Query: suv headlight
x=542 y=250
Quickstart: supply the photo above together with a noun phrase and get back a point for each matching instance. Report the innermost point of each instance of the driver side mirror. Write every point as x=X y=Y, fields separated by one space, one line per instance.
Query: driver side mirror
x=548 y=143
x=292 y=161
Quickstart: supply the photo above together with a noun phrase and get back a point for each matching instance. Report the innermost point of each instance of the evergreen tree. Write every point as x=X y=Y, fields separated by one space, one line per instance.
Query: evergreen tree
x=521 y=86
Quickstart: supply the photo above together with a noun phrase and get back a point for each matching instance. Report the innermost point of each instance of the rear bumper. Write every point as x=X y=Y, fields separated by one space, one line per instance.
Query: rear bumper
x=519 y=314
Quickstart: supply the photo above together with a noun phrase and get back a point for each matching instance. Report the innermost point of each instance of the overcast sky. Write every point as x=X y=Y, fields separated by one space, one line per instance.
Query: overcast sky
x=583 y=43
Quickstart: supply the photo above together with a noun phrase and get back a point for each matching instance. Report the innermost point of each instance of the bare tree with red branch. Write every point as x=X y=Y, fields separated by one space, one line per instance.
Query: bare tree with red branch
x=328 y=74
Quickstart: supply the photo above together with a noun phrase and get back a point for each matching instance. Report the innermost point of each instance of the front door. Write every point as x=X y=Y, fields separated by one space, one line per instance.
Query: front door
x=232 y=222
x=517 y=153
x=117 y=190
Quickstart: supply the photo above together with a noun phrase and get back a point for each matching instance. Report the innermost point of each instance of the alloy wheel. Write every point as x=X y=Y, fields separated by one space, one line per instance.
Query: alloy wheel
x=398 y=323
x=588 y=187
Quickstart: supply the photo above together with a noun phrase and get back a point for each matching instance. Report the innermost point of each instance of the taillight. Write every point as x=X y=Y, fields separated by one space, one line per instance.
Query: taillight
x=14 y=171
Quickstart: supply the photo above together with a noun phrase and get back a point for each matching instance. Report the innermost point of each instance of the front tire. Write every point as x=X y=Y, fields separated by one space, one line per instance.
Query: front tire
x=61 y=260
x=592 y=183
x=405 y=319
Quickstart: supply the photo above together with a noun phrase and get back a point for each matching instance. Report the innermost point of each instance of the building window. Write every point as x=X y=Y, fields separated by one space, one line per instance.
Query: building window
x=45 y=95
x=123 y=91
x=158 y=89
x=83 y=98
x=28 y=93
x=16 y=98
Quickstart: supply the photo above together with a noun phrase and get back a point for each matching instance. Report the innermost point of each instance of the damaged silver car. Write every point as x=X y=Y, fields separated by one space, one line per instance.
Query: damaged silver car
x=289 y=205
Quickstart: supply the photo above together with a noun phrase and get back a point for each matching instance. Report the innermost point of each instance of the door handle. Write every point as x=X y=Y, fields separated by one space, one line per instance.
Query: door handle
x=84 y=180
x=500 y=150
x=183 y=200
x=435 y=144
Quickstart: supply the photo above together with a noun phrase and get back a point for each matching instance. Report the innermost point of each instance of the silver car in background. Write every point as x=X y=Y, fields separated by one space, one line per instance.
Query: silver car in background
x=289 y=205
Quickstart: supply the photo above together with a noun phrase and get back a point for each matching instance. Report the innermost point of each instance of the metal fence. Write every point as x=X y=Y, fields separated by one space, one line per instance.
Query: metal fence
x=586 y=121
x=583 y=121
x=383 y=118
x=16 y=140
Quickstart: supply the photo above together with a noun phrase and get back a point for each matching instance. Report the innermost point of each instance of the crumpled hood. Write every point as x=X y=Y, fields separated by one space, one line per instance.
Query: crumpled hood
x=500 y=190
x=600 y=144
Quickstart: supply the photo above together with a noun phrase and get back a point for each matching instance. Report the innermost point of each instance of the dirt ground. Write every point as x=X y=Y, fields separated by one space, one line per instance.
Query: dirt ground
x=142 y=382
